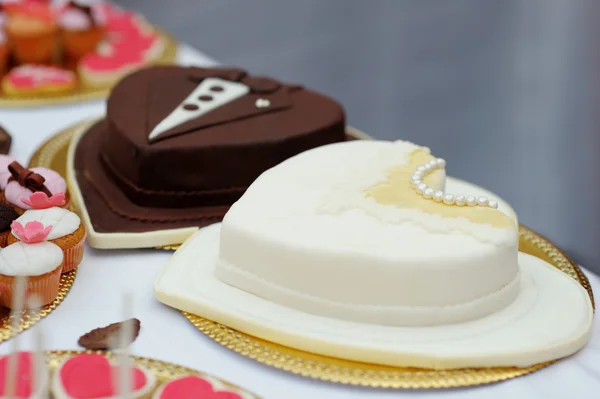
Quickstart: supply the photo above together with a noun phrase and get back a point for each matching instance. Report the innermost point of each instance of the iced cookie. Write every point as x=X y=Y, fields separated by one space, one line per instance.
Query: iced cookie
x=92 y=376
x=130 y=43
x=29 y=79
x=25 y=386
x=193 y=387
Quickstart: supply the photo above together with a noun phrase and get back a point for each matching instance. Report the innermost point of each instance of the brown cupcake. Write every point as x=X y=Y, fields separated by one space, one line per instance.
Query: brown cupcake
x=7 y=216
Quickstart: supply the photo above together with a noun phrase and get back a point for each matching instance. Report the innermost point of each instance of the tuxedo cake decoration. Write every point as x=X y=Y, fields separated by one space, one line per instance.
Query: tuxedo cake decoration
x=179 y=145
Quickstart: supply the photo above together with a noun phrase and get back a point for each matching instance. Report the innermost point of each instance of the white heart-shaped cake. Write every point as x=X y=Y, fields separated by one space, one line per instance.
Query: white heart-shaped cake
x=361 y=242
x=366 y=251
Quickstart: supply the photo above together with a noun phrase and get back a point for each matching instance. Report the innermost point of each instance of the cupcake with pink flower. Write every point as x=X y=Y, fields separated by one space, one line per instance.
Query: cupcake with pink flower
x=24 y=182
x=67 y=230
x=34 y=258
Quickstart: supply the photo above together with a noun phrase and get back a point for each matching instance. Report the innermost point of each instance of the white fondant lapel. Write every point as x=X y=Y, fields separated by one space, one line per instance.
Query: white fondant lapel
x=221 y=91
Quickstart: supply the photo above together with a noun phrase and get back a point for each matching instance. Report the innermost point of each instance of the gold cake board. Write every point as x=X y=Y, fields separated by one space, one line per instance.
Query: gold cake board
x=29 y=318
x=163 y=371
x=53 y=154
x=83 y=93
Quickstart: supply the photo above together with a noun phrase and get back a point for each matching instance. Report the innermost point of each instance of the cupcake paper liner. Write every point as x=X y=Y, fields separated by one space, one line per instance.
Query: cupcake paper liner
x=73 y=255
x=45 y=287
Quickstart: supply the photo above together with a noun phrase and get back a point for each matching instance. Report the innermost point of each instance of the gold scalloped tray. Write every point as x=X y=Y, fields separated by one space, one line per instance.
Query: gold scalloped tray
x=83 y=93
x=31 y=317
x=370 y=375
x=163 y=371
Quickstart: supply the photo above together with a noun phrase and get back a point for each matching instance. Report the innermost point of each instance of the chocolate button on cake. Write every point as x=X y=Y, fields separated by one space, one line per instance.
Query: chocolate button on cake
x=179 y=146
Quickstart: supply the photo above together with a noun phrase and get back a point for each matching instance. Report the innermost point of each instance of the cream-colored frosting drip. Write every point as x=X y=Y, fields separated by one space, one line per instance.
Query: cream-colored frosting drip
x=397 y=191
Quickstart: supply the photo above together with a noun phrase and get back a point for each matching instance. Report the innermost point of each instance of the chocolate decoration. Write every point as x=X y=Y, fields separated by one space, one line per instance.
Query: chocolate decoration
x=192 y=176
x=28 y=178
x=190 y=107
x=7 y=216
x=105 y=338
x=205 y=98
x=5 y=141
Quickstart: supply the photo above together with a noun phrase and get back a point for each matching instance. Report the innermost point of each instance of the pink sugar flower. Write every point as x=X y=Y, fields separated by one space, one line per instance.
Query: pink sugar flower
x=40 y=200
x=32 y=233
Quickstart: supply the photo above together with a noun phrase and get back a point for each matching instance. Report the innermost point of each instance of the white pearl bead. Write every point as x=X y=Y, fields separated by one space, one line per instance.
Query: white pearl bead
x=421 y=169
x=427 y=167
x=422 y=187
x=449 y=199
x=433 y=164
x=416 y=182
x=460 y=200
x=471 y=200
x=482 y=201
x=441 y=162
x=428 y=193
x=493 y=204
x=438 y=196
x=417 y=175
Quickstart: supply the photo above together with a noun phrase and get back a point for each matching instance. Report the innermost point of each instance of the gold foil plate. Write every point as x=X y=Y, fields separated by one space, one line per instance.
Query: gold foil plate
x=83 y=93
x=29 y=318
x=53 y=155
x=163 y=371
x=370 y=375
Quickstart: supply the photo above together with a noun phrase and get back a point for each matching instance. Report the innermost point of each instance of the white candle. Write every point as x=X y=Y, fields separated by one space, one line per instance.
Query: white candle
x=15 y=314
x=39 y=357
x=125 y=363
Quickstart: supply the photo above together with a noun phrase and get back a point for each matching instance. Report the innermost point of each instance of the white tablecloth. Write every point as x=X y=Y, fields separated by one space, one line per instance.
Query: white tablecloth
x=95 y=300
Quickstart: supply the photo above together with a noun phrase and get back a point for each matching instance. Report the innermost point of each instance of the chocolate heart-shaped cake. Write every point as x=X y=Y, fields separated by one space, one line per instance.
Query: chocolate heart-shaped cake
x=179 y=145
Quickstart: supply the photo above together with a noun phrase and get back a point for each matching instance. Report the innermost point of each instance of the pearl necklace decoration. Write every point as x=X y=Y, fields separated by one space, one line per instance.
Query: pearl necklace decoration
x=439 y=196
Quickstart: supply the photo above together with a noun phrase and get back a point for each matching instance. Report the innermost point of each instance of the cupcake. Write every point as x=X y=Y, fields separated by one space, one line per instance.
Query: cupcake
x=27 y=384
x=7 y=216
x=81 y=29
x=93 y=376
x=40 y=261
x=32 y=32
x=24 y=182
x=67 y=230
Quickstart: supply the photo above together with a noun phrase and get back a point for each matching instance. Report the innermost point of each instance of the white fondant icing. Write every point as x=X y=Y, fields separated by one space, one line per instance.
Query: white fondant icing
x=311 y=239
x=550 y=319
x=20 y=259
x=230 y=91
x=63 y=221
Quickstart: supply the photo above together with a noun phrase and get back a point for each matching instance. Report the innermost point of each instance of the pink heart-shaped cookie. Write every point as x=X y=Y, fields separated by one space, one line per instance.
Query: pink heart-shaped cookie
x=193 y=387
x=24 y=375
x=91 y=376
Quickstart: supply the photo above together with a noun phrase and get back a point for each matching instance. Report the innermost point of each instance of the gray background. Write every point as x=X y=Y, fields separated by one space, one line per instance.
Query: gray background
x=505 y=90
